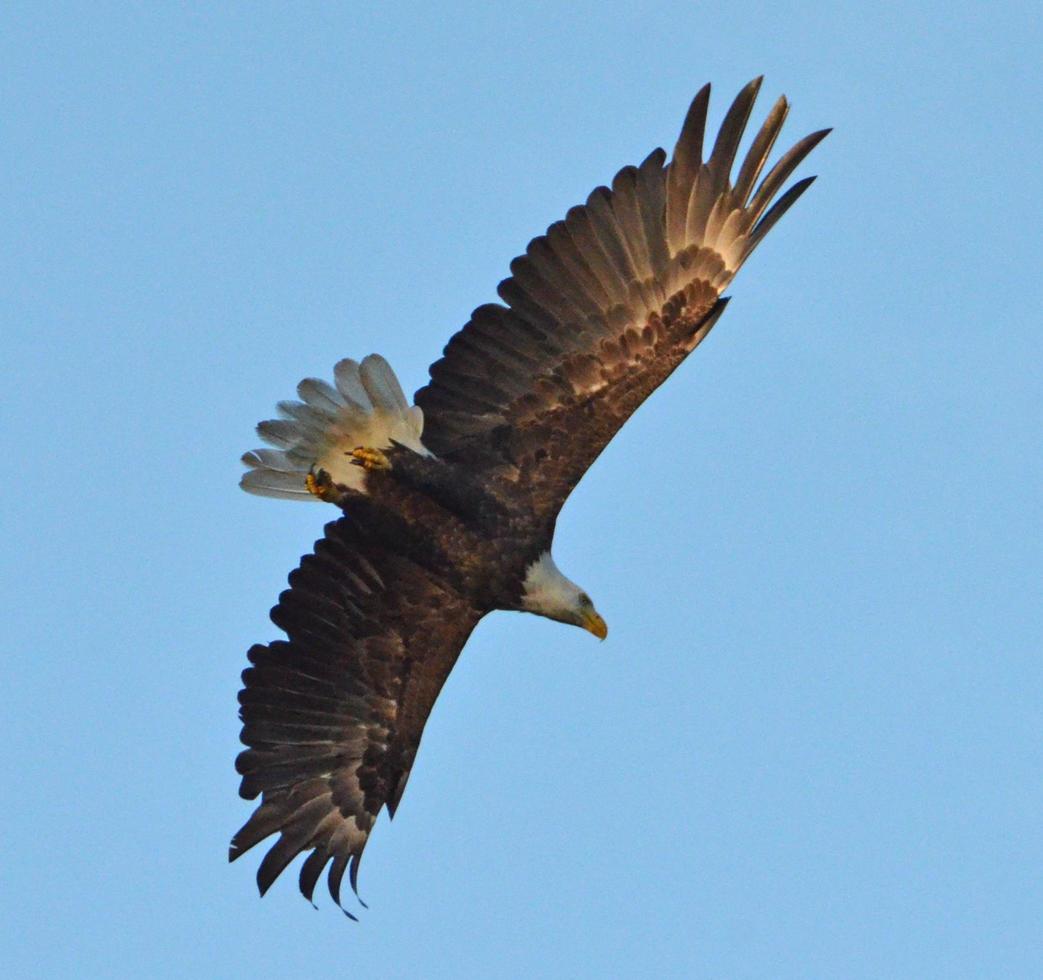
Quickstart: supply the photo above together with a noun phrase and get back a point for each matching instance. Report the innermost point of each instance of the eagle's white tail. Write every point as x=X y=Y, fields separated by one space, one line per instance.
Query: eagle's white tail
x=366 y=408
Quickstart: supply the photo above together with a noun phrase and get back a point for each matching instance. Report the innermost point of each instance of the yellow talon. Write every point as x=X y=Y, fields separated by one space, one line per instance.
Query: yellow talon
x=321 y=486
x=370 y=459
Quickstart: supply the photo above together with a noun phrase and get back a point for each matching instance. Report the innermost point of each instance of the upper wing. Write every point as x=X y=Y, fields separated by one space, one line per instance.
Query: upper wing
x=332 y=717
x=603 y=307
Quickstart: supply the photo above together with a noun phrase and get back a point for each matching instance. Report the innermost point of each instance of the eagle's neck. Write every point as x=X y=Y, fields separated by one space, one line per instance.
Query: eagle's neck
x=547 y=592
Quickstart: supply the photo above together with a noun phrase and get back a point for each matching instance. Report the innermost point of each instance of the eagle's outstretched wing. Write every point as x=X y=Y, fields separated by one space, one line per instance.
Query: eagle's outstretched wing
x=602 y=308
x=333 y=715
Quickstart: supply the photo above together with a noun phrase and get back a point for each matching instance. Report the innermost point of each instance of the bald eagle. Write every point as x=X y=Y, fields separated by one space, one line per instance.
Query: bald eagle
x=448 y=506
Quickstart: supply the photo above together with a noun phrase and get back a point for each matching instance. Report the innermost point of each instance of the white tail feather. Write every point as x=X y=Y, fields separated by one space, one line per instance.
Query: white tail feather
x=382 y=385
x=349 y=384
x=366 y=408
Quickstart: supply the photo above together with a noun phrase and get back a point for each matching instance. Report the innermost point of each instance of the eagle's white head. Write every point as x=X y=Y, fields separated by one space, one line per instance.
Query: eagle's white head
x=548 y=593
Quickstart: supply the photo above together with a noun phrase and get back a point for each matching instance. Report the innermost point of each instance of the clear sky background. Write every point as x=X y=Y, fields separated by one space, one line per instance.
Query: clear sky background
x=811 y=746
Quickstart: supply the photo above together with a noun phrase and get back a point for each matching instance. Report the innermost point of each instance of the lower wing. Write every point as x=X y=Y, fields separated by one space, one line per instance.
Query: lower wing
x=333 y=715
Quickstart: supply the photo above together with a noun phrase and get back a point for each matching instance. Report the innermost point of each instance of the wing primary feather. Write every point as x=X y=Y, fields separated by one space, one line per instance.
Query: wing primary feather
x=333 y=880
x=311 y=871
x=687 y=159
x=281 y=853
x=778 y=174
x=562 y=245
x=263 y=822
x=725 y=146
x=700 y=205
x=759 y=150
x=776 y=211
x=651 y=196
x=541 y=291
x=580 y=227
x=547 y=258
x=353 y=877
x=603 y=221
x=336 y=875
x=627 y=210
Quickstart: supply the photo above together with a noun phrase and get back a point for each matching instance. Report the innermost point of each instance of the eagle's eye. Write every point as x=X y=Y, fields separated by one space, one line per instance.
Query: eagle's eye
x=584 y=599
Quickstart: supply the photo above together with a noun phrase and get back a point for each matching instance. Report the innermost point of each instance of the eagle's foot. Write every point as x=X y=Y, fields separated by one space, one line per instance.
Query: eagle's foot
x=369 y=458
x=320 y=484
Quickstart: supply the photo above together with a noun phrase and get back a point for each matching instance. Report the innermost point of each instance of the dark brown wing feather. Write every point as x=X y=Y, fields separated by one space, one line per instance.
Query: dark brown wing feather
x=603 y=307
x=333 y=715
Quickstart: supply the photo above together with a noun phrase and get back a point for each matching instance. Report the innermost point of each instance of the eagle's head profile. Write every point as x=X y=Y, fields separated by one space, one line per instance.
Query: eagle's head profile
x=549 y=593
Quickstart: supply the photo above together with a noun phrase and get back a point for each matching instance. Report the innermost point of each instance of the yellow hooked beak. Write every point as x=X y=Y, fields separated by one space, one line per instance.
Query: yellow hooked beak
x=593 y=623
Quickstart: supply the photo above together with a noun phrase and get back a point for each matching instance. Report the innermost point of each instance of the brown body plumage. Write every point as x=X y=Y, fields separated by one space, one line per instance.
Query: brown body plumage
x=437 y=533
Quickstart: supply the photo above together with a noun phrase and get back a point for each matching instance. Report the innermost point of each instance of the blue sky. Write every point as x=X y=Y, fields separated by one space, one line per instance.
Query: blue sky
x=811 y=745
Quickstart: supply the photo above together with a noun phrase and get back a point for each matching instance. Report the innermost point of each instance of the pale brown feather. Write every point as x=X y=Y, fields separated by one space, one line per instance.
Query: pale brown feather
x=604 y=307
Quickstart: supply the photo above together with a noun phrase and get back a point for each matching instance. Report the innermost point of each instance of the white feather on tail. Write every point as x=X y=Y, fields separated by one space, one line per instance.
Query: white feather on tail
x=366 y=408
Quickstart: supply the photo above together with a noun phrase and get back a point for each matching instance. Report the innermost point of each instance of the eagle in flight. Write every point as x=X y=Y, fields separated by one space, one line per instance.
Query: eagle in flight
x=448 y=506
